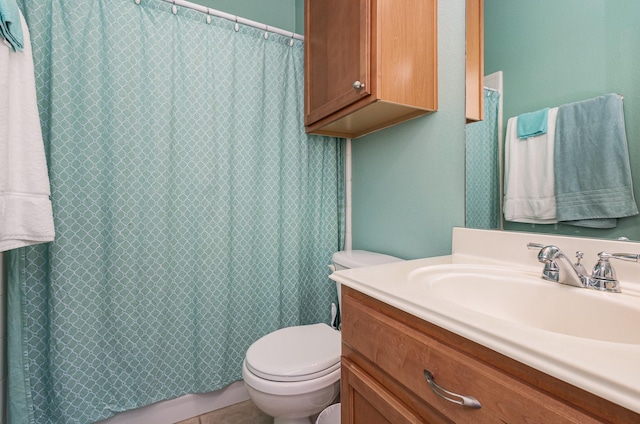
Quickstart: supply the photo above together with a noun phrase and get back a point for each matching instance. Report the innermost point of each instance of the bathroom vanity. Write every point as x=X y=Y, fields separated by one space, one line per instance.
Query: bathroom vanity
x=400 y=330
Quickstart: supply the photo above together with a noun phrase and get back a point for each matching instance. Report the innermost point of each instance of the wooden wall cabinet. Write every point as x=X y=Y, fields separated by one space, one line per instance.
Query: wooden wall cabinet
x=385 y=352
x=475 y=60
x=369 y=64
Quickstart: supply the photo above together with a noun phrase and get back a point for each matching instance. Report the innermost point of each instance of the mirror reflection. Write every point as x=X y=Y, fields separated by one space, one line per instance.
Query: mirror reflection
x=557 y=52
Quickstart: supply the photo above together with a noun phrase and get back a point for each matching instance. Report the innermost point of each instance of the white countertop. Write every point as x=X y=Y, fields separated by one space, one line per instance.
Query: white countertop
x=607 y=369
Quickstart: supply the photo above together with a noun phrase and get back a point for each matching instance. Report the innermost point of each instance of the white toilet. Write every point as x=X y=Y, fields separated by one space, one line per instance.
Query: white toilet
x=294 y=373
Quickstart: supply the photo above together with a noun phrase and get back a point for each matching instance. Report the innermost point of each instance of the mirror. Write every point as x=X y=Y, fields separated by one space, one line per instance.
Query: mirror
x=553 y=52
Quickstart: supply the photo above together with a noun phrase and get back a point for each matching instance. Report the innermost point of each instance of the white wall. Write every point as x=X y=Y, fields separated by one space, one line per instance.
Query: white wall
x=3 y=342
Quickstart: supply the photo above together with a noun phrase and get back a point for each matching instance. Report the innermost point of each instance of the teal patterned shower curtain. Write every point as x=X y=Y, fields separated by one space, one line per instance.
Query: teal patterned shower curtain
x=193 y=214
x=482 y=205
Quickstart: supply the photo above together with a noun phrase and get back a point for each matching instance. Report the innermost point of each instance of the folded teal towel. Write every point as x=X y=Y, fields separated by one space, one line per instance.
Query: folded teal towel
x=10 y=25
x=591 y=159
x=533 y=123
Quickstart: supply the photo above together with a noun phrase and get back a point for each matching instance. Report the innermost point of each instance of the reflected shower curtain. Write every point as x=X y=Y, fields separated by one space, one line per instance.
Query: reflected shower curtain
x=482 y=204
x=193 y=213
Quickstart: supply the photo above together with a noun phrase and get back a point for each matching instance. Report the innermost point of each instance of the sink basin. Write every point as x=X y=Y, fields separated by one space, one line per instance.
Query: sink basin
x=525 y=299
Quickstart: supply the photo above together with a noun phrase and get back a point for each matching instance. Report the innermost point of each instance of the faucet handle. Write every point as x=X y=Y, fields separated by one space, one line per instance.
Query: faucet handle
x=603 y=276
x=629 y=257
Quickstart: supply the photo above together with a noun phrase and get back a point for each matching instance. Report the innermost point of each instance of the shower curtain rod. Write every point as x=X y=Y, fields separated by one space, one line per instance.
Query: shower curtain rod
x=230 y=17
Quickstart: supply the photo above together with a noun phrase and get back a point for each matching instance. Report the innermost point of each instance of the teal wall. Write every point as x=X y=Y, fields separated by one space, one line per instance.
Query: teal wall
x=559 y=51
x=300 y=16
x=408 y=180
x=278 y=13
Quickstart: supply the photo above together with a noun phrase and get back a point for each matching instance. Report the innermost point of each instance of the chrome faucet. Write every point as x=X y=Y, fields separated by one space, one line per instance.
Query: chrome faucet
x=559 y=268
x=557 y=264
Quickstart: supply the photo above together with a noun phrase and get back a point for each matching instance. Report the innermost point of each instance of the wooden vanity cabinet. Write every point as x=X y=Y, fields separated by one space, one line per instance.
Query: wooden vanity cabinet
x=385 y=352
x=369 y=64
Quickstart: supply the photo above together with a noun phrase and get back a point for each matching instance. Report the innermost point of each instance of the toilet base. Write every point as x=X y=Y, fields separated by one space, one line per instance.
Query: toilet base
x=296 y=409
x=295 y=402
x=292 y=421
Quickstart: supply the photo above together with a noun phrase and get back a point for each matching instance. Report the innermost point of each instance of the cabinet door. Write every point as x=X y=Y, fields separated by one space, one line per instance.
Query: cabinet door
x=475 y=61
x=365 y=401
x=337 y=50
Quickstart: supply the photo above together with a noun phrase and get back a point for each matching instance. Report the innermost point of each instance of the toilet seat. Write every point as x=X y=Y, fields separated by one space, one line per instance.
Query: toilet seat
x=297 y=353
x=287 y=388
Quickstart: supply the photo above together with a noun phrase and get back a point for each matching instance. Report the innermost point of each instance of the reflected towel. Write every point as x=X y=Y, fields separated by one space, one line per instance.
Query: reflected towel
x=593 y=174
x=10 y=26
x=533 y=124
x=529 y=175
x=25 y=209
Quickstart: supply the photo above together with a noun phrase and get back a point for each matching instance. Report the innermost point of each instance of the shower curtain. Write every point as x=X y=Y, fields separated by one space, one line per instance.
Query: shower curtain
x=193 y=214
x=482 y=204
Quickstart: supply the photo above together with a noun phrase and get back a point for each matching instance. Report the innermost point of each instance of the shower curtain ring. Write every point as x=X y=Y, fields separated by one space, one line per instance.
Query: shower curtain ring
x=237 y=27
x=174 y=9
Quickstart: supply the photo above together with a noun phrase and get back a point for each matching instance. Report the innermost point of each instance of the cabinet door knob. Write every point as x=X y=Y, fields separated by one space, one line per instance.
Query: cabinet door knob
x=358 y=85
x=468 y=401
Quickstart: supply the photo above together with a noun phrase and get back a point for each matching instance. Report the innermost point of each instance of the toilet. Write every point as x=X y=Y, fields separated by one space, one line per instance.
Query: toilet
x=293 y=373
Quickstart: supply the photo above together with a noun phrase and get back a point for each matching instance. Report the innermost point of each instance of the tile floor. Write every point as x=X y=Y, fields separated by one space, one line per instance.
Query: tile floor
x=240 y=413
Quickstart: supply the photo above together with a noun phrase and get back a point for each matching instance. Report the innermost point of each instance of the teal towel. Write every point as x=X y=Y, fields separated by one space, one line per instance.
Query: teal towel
x=533 y=123
x=591 y=159
x=10 y=25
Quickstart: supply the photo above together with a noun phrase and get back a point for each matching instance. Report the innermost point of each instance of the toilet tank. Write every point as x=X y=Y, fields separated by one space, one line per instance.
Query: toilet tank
x=347 y=259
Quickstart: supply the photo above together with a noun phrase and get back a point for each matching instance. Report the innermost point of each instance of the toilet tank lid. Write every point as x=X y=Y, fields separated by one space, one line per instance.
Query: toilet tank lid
x=360 y=258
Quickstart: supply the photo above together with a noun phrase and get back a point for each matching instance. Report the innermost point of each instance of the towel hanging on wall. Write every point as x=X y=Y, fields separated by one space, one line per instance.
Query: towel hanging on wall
x=593 y=173
x=533 y=123
x=25 y=208
x=10 y=24
x=529 y=175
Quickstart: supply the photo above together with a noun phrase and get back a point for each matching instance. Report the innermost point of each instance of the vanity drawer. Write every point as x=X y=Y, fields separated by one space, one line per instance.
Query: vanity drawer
x=395 y=351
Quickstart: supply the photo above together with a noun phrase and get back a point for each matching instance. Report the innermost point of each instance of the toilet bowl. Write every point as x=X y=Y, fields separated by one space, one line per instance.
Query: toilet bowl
x=294 y=373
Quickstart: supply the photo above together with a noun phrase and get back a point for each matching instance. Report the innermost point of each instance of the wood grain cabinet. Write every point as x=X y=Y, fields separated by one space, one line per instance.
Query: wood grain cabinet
x=475 y=60
x=369 y=64
x=385 y=355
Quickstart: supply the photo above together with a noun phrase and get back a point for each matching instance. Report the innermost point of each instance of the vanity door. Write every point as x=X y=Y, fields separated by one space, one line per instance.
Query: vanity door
x=365 y=401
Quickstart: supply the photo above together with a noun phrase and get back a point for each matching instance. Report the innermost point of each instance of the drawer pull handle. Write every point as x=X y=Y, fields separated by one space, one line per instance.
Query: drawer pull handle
x=468 y=401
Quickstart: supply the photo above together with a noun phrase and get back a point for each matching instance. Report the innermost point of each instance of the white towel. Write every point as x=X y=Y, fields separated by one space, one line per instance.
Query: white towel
x=529 y=175
x=25 y=208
